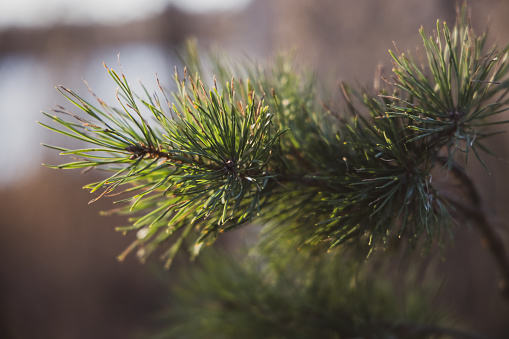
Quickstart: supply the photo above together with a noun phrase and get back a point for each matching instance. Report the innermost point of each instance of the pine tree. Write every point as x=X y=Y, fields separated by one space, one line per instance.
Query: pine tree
x=335 y=190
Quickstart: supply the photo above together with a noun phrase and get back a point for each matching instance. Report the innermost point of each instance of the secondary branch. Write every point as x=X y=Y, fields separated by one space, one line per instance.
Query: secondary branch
x=491 y=240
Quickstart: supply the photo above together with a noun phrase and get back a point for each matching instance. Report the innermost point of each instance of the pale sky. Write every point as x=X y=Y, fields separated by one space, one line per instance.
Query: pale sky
x=41 y=12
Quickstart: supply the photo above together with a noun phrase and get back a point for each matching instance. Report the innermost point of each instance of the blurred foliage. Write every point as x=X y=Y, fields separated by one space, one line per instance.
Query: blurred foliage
x=285 y=293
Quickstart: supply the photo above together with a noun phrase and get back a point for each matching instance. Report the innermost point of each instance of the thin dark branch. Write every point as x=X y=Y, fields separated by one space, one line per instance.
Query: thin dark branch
x=475 y=210
x=138 y=151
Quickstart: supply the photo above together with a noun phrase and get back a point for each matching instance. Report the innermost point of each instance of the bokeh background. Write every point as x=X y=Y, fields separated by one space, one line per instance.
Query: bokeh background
x=59 y=277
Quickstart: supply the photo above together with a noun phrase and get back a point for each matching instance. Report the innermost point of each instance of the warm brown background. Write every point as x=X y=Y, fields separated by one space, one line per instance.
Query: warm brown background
x=58 y=273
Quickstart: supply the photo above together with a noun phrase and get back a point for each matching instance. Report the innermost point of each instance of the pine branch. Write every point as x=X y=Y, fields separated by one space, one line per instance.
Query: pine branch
x=219 y=156
x=216 y=157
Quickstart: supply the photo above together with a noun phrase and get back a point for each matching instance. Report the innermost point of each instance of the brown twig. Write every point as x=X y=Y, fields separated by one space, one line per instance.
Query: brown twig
x=475 y=210
x=141 y=150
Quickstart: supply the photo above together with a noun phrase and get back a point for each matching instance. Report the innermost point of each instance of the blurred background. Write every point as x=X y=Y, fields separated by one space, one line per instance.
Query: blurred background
x=59 y=277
